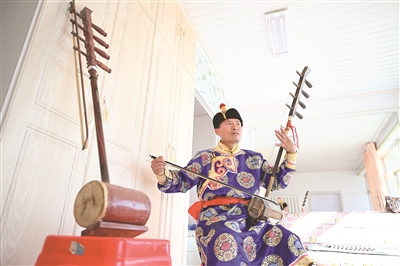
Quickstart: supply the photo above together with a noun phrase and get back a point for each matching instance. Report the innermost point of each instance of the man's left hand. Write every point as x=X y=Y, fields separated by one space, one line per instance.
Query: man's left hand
x=285 y=142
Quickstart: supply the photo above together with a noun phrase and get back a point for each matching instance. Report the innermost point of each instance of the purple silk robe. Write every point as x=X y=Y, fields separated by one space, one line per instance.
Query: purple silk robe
x=223 y=235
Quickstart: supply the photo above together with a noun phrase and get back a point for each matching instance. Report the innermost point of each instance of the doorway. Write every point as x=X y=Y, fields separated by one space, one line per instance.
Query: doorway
x=203 y=138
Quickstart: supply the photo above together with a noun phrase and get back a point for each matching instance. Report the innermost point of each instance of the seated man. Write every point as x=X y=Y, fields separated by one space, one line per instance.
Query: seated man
x=224 y=235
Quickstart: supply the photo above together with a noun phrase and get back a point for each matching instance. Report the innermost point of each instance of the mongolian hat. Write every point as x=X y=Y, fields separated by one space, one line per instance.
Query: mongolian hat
x=226 y=114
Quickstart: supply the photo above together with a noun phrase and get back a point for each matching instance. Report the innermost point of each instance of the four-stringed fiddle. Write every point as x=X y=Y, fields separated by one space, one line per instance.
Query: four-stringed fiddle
x=258 y=208
x=102 y=208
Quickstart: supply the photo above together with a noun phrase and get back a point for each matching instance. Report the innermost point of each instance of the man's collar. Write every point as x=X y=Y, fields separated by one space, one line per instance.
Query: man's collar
x=224 y=149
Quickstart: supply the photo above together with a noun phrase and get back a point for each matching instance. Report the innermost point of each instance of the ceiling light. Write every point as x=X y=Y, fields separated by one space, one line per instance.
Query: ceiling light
x=278 y=31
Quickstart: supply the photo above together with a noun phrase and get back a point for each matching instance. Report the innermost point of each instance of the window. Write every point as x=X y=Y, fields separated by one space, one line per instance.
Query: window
x=389 y=152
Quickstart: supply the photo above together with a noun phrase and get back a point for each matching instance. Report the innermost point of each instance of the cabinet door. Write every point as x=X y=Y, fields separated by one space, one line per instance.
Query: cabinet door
x=125 y=92
x=183 y=116
x=182 y=150
x=168 y=23
x=150 y=7
x=187 y=46
x=156 y=137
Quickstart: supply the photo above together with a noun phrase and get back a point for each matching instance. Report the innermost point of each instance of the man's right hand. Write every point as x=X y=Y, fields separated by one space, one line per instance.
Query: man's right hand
x=158 y=166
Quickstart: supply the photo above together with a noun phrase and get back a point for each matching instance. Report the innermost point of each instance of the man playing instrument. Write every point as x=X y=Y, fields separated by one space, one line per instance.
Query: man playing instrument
x=224 y=233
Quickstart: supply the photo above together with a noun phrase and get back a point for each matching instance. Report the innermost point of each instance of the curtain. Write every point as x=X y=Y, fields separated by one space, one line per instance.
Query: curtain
x=375 y=177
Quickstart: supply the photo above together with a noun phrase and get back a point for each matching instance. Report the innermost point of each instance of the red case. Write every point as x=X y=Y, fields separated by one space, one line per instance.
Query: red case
x=87 y=250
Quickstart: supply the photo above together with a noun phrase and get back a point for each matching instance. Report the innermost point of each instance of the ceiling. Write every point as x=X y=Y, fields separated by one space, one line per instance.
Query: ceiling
x=352 y=50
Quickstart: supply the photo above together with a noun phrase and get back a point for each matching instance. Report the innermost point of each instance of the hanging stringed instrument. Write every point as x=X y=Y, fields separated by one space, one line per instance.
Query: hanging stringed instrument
x=102 y=208
x=261 y=208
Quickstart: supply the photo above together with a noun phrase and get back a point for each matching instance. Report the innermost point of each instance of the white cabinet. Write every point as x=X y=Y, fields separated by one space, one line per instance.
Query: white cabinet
x=168 y=124
x=150 y=7
x=177 y=30
x=188 y=46
x=149 y=98
x=168 y=23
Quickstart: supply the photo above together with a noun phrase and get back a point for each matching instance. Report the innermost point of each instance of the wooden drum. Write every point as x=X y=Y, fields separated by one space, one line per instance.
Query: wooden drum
x=100 y=201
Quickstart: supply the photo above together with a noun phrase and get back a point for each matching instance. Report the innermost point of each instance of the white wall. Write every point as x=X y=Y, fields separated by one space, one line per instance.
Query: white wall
x=245 y=143
x=13 y=38
x=352 y=188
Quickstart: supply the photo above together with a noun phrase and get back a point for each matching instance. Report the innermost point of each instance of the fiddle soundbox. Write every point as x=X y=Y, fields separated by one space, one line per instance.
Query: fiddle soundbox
x=266 y=210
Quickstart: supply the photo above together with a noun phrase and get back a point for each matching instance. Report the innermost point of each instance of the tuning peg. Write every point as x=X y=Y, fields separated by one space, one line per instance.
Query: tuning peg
x=302 y=91
x=308 y=84
x=101 y=65
x=305 y=94
x=305 y=80
x=98 y=50
x=97 y=39
x=299 y=115
x=295 y=112
x=97 y=28
x=302 y=105
x=102 y=53
x=79 y=37
x=300 y=102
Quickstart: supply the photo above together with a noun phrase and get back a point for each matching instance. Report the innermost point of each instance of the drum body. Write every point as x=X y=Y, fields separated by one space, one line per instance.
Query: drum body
x=101 y=201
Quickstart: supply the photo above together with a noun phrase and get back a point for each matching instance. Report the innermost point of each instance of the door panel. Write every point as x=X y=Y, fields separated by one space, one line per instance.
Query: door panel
x=35 y=204
x=168 y=23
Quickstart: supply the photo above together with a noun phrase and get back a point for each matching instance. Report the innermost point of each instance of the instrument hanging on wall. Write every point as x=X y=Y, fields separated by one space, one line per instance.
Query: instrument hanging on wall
x=258 y=207
x=272 y=208
x=102 y=208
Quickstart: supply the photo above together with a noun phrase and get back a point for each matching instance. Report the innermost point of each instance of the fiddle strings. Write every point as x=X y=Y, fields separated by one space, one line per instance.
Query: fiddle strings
x=283 y=123
x=284 y=115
